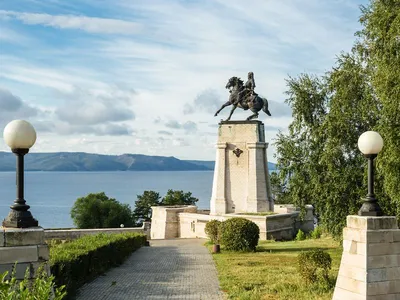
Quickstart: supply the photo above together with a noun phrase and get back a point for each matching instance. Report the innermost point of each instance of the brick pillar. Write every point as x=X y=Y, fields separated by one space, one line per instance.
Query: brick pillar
x=370 y=266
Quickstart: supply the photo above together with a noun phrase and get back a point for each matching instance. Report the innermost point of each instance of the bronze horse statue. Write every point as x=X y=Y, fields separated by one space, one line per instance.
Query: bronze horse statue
x=244 y=99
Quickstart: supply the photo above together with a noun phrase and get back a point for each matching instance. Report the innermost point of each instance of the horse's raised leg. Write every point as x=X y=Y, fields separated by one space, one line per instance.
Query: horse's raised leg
x=253 y=116
x=222 y=107
x=232 y=110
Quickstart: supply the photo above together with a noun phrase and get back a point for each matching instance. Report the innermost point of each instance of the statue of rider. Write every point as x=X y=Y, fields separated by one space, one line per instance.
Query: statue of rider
x=248 y=90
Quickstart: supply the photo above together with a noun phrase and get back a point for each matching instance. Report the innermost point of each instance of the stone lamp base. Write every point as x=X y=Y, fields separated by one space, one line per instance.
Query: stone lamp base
x=24 y=246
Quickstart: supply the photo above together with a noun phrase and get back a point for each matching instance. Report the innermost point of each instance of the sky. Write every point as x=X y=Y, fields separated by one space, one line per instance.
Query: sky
x=130 y=76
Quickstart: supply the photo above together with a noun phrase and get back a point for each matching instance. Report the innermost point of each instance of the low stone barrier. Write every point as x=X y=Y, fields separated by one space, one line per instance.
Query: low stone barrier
x=72 y=234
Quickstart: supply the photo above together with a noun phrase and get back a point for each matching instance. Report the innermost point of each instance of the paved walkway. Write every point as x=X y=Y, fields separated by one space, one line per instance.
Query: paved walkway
x=168 y=269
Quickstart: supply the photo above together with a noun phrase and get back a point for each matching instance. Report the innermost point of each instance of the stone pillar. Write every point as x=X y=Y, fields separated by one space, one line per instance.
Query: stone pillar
x=25 y=246
x=257 y=198
x=370 y=265
x=241 y=179
x=218 y=199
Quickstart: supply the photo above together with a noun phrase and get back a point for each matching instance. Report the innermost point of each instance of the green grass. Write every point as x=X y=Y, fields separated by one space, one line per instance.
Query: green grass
x=265 y=213
x=271 y=272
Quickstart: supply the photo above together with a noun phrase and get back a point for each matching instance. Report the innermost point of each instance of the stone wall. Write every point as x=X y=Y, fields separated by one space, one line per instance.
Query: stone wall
x=26 y=247
x=165 y=220
x=190 y=224
x=71 y=234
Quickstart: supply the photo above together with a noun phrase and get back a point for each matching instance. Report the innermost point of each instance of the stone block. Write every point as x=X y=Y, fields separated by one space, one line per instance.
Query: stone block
x=353 y=272
x=396 y=235
x=43 y=252
x=383 y=249
x=383 y=297
x=393 y=273
x=350 y=246
x=375 y=275
x=18 y=254
x=19 y=270
x=372 y=223
x=352 y=285
x=24 y=236
x=354 y=260
x=354 y=234
x=380 y=236
x=342 y=294
x=2 y=238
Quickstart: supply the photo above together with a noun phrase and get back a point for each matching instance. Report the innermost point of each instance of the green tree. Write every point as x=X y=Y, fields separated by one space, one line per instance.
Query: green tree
x=143 y=205
x=318 y=158
x=380 y=44
x=299 y=151
x=178 y=198
x=100 y=211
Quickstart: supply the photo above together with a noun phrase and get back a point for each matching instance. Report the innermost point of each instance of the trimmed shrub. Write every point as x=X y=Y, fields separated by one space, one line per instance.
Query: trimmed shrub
x=213 y=231
x=300 y=236
x=239 y=234
x=41 y=287
x=314 y=265
x=83 y=259
x=316 y=233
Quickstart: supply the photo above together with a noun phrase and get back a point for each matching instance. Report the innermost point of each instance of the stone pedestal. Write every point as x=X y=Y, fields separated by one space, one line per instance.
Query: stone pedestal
x=370 y=266
x=26 y=247
x=241 y=178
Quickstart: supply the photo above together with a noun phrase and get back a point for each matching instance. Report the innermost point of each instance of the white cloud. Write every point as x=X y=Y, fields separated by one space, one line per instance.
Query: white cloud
x=160 y=59
x=85 y=23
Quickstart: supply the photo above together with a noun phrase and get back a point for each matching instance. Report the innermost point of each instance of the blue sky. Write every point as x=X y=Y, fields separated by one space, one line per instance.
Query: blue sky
x=130 y=76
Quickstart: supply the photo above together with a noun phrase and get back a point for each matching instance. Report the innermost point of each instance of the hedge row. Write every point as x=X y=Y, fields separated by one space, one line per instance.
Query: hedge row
x=77 y=262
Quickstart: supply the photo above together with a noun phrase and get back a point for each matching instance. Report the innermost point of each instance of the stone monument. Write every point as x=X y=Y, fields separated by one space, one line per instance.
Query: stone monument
x=241 y=178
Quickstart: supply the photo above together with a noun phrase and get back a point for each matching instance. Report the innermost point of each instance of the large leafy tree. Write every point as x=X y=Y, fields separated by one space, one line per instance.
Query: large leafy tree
x=319 y=159
x=100 y=211
x=380 y=44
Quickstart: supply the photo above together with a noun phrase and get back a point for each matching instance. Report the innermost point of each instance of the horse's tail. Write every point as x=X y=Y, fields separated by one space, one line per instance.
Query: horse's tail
x=265 y=107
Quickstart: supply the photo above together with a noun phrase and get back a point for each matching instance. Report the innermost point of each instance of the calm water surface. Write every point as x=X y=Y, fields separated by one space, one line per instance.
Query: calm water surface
x=52 y=194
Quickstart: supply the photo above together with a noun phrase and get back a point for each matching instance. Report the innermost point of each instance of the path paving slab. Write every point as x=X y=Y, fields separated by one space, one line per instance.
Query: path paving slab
x=168 y=269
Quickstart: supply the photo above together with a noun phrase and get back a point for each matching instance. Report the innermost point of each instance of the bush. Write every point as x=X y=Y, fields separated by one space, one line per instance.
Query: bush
x=42 y=287
x=99 y=211
x=314 y=265
x=213 y=231
x=316 y=233
x=300 y=236
x=239 y=234
x=83 y=259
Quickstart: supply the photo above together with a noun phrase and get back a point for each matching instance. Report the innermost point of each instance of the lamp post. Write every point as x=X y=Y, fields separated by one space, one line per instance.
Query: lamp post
x=370 y=144
x=20 y=135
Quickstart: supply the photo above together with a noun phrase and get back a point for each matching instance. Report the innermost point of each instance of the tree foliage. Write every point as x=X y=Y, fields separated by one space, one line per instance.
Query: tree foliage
x=175 y=197
x=318 y=159
x=100 y=211
x=144 y=203
x=148 y=199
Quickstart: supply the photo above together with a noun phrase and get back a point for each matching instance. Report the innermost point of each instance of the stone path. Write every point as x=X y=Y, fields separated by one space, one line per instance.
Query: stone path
x=168 y=269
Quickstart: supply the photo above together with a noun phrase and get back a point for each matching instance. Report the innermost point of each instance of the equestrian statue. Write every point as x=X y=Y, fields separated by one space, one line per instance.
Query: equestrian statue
x=243 y=96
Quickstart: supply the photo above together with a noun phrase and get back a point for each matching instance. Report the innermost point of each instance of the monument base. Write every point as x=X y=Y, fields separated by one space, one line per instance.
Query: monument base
x=370 y=265
x=23 y=249
x=241 y=178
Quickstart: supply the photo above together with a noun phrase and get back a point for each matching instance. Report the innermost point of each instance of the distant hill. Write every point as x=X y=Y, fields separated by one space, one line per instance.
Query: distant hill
x=79 y=161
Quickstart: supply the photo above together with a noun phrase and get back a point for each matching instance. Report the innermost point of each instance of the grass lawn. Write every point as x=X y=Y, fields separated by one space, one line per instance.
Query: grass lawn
x=271 y=272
